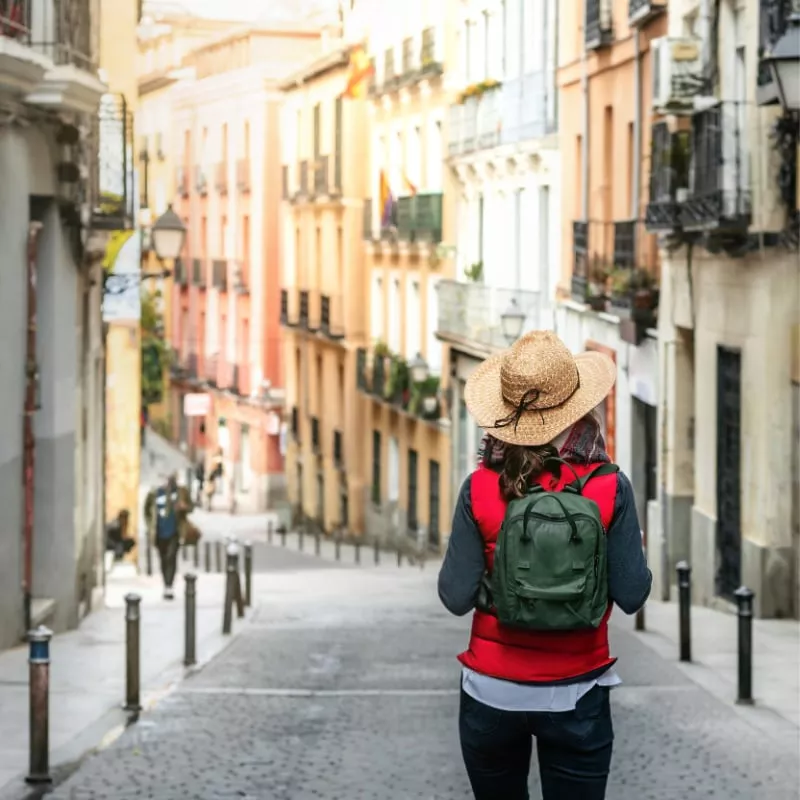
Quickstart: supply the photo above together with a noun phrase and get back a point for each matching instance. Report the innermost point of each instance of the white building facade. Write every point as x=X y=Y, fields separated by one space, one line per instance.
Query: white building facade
x=502 y=149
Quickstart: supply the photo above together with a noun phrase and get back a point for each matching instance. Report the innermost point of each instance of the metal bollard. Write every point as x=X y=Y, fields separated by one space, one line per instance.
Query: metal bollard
x=190 y=621
x=317 y=544
x=230 y=589
x=133 y=604
x=148 y=553
x=218 y=555
x=639 y=622
x=196 y=554
x=338 y=544
x=39 y=699
x=684 y=609
x=377 y=554
x=238 y=594
x=300 y=537
x=358 y=552
x=399 y=557
x=744 y=610
x=185 y=551
x=248 y=574
x=208 y=556
x=283 y=537
x=269 y=531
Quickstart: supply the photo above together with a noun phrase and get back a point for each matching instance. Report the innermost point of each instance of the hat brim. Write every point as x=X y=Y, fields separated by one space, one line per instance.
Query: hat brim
x=484 y=400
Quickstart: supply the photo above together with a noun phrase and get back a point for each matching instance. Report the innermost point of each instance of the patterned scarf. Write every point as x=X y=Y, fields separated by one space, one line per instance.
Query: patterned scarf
x=583 y=443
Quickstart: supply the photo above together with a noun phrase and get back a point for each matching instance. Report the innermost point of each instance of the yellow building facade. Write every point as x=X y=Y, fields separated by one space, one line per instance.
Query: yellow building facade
x=408 y=220
x=323 y=296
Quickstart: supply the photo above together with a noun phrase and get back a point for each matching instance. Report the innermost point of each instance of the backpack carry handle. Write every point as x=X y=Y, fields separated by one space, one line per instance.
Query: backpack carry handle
x=575 y=537
x=579 y=483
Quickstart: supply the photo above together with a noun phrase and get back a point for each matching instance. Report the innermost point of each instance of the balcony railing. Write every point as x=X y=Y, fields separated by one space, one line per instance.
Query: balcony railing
x=669 y=177
x=290 y=306
x=182 y=181
x=221 y=177
x=239 y=379
x=295 y=423
x=719 y=194
x=219 y=274
x=331 y=316
x=773 y=22
x=284 y=307
x=338 y=449
x=390 y=77
x=199 y=273
x=361 y=369
x=315 y=434
x=430 y=64
x=62 y=29
x=419 y=218
x=409 y=57
x=369 y=232
x=302 y=179
x=15 y=20
x=598 y=28
x=181 y=272
x=324 y=185
x=472 y=312
x=240 y=275
x=111 y=170
x=304 y=308
x=641 y=11
x=243 y=175
x=200 y=181
x=520 y=109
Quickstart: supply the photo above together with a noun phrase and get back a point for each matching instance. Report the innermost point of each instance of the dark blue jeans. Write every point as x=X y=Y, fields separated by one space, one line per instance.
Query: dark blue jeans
x=574 y=749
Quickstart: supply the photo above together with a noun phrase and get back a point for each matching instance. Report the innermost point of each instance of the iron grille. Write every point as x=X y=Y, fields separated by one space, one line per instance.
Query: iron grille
x=625 y=244
x=368 y=230
x=413 y=521
x=669 y=177
x=378 y=376
x=304 y=317
x=315 y=433
x=321 y=175
x=66 y=27
x=284 y=307
x=219 y=270
x=598 y=30
x=434 y=534
x=198 y=273
x=389 y=74
x=338 y=457
x=112 y=167
x=303 y=182
x=200 y=182
x=376 y=467
x=580 y=251
x=295 y=423
x=773 y=22
x=719 y=193
x=325 y=314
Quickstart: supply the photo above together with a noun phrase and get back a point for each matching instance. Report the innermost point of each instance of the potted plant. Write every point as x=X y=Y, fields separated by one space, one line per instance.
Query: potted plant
x=397 y=382
x=634 y=294
x=596 y=285
x=474 y=272
x=424 y=398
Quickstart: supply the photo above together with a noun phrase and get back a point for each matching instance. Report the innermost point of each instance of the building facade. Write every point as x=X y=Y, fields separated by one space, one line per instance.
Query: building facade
x=63 y=144
x=730 y=308
x=225 y=315
x=610 y=262
x=323 y=301
x=503 y=155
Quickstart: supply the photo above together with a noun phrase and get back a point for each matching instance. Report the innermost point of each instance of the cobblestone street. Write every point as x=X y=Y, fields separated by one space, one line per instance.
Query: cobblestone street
x=344 y=684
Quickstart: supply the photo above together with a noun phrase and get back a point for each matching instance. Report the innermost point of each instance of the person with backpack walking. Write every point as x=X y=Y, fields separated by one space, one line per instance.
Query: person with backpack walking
x=545 y=541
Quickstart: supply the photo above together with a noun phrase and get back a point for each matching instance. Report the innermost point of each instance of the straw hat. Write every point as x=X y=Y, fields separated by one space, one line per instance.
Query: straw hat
x=536 y=389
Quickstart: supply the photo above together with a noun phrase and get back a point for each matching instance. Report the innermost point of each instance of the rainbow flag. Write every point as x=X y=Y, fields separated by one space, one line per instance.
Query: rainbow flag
x=361 y=70
x=386 y=200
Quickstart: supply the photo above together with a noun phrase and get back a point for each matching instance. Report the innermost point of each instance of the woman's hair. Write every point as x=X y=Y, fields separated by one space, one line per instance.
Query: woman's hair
x=519 y=466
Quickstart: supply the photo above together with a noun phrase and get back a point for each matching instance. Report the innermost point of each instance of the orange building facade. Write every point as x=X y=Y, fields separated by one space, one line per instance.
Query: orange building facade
x=225 y=308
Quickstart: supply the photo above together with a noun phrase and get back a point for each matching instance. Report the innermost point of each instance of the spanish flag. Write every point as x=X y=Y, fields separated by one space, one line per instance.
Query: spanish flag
x=386 y=199
x=360 y=71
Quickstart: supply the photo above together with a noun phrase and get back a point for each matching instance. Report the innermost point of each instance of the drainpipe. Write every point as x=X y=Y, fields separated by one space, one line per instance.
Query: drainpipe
x=29 y=442
x=636 y=176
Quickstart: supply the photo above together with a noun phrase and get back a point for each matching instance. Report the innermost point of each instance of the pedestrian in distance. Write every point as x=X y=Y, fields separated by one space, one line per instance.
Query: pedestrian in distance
x=166 y=510
x=545 y=540
x=117 y=538
x=200 y=476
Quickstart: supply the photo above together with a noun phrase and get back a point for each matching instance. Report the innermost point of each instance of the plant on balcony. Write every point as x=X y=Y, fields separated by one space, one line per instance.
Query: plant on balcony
x=381 y=350
x=398 y=382
x=597 y=284
x=634 y=295
x=474 y=272
x=477 y=89
x=421 y=394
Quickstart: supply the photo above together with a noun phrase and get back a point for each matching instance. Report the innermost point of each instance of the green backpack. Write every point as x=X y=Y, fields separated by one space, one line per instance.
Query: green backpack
x=550 y=565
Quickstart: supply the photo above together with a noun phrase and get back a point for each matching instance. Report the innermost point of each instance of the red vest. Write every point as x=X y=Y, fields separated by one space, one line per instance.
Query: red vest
x=534 y=656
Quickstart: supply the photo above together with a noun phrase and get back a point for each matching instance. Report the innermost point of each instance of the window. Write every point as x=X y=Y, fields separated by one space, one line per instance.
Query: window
x=434 y=535
x=413 y=520
x=376 y=307
x=395 y=343
x=376 y=467
x=413 y=320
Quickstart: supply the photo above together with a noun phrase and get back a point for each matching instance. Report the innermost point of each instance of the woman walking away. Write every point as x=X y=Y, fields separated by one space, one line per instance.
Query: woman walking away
x=545 y=540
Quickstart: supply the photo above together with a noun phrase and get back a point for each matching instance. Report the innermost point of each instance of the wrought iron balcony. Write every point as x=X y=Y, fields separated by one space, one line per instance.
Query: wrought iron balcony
x=598 y=28
x=642 y=11
x=181 y=273
x=62 y=29
x=361 y=369
x=773 y=22
x=304 y=308
x=331 y=316
x=409 y=60
x=669 y=178
x=338 y=449
x=580 y=253
x=289 y=307
x=429 y=61
x=323 y=185
x=243 y=175
x=315 y=434
x=219 y=274
x=390 y=76
x=419 y=218
x=240 y=274
x=112 y=173
x=199 y=273
x=302 y=183
x=221 y=177
x=719 y=196
x=471 y=312
x=284 y=307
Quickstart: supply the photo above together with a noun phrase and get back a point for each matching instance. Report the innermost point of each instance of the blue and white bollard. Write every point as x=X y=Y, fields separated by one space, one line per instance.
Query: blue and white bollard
x=39 y=695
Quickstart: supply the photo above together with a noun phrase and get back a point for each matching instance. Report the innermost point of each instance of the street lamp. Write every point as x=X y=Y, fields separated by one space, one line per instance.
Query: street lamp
x=168 y=235
x=418 y=367
x=784 y=62
x=512 y=321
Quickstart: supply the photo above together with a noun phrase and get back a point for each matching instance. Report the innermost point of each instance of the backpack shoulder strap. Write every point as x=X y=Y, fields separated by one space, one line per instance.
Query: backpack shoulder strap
x=603 y=469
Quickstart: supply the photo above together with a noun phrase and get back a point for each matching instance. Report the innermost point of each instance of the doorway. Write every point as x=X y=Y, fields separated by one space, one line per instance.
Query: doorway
x=729 y=474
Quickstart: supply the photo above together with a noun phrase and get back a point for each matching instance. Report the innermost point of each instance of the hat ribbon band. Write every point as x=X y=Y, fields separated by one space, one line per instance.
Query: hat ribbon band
x=528 y=402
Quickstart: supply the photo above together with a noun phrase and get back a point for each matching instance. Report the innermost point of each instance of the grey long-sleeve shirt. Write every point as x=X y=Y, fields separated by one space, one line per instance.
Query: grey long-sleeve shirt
x=629 y=579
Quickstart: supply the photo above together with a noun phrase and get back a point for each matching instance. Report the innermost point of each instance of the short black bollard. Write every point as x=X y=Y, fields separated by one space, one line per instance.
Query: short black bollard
x=148 y=553
x=684 y=609
x=639 y=620
x=317 y=544
x=190 y=621
x=196 y=555
x=208 y=556
x=283 y=537
x=744 y=610
x=269 y=531
x=39 y=699
x=399 y=557
x=238 y=594
x=132 y=658
x=377 y=553
x=218 y=555
x=338 y=545
x=248 y=574
x=358 y=552
x=230 y=589
x=300 y=537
